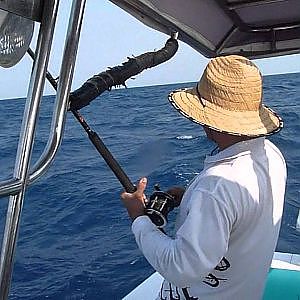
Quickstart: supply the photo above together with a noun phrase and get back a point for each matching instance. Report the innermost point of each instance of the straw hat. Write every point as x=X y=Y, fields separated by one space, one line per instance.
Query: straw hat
x=228 y=98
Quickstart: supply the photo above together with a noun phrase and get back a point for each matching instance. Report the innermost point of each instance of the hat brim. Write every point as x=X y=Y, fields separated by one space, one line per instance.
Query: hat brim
x=248 y=123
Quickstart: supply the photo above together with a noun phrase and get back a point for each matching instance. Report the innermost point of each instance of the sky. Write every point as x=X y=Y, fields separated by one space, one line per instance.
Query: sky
x=110 y=35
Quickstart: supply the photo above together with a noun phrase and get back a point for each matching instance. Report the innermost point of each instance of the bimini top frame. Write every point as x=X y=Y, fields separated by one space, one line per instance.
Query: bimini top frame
x=253 y=28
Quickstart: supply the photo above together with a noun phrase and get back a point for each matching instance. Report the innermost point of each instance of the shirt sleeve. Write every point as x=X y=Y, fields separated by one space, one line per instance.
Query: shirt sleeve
x=199 y=245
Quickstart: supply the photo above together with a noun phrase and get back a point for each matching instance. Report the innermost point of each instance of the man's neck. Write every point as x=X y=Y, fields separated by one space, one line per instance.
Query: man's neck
x=229 y=140
x=224 y=140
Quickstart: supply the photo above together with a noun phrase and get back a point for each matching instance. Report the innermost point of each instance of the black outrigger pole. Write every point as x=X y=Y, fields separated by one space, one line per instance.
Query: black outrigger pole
x=101 y=82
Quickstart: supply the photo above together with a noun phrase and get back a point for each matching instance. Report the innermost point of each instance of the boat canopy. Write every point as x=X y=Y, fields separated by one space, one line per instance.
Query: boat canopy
x=253 y=28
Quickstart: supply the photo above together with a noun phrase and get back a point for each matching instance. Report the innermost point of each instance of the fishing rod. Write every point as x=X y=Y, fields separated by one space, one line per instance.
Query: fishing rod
x=118 y=75
x=95 y=139
x=160 y=203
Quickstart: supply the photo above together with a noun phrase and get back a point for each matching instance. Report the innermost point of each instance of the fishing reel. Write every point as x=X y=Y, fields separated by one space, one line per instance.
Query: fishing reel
x=158 y=206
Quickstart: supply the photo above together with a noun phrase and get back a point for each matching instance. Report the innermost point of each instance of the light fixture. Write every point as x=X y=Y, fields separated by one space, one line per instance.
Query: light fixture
x=15 y=37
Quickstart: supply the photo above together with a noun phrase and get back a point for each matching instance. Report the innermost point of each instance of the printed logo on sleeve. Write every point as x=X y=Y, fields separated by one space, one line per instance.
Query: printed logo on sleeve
x=171 y=292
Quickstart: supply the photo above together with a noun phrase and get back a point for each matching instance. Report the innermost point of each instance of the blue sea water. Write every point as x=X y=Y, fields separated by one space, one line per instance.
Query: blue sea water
x=75 y=240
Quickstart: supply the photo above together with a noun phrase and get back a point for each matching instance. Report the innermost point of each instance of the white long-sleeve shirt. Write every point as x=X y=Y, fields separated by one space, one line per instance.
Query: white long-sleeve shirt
x=227 y=227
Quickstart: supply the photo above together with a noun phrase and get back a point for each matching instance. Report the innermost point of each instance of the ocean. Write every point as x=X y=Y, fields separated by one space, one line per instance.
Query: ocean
x=75 y=240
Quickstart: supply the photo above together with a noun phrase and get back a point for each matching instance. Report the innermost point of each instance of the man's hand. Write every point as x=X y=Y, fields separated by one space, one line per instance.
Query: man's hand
x=177 y=192
x=135 y=202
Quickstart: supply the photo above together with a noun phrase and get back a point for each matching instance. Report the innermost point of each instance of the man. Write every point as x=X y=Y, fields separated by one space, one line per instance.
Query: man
x=229 y=218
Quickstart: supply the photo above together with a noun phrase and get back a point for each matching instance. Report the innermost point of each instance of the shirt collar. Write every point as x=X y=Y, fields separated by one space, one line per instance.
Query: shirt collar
x=236 y=150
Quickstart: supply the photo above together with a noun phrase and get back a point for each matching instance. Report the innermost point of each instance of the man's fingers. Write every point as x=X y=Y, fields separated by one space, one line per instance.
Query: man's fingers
x=139 y=193
x=126 y=195
x=142 y=185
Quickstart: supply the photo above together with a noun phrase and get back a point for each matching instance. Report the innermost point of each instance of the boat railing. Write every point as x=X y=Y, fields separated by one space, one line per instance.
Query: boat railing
x=45 y=13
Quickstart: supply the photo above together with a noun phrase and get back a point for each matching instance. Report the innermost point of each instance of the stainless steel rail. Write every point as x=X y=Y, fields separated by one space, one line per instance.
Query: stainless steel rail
x=63 y=89
x=17 y=185
x=10 y=187
x=34 y=96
